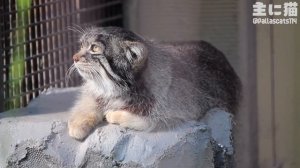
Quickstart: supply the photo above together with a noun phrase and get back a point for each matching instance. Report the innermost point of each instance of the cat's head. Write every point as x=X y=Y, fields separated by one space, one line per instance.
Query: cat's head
x=110 y=54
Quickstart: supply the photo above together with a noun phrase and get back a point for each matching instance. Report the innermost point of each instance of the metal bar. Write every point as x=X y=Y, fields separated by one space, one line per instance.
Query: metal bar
x=44 y=53
x=49 y=42
x=2 y=45
x=58 y=17
x=36 y=72
x=37 y=50
x=37 y=89
x=43 y=42
x=55 y=72
x=59 y=41
x=78 y=11
x=49 y=45
x=64 y=40
x=38 y=38
x=29 y=65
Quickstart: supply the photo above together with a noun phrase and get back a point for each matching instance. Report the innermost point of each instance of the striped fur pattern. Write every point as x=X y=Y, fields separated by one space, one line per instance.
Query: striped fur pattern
x=145 y=85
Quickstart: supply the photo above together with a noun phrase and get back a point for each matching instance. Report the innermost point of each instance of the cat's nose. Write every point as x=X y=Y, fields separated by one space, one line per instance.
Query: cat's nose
x=76 y=57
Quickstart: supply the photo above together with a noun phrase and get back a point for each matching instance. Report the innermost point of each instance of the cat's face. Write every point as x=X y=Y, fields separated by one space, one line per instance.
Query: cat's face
x=109 y=55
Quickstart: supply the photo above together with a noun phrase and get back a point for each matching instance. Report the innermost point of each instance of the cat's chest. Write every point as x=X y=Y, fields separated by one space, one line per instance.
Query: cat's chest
x=106 y=98
x=112 y=104
x=100 y=89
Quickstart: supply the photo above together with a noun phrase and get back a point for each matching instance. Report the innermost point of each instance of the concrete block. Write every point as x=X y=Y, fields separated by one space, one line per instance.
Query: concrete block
x=36 y=137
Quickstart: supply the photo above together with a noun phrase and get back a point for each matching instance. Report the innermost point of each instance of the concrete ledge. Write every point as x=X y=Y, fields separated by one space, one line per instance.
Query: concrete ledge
x=37 y=137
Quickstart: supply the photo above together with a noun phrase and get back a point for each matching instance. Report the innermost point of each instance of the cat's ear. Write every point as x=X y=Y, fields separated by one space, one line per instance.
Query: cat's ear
x=136 y=53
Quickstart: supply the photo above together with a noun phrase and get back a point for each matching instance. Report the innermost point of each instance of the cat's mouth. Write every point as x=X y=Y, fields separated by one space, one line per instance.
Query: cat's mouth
x=93 y=72
x=85 y=70
x=81 y=66
x=99 y=69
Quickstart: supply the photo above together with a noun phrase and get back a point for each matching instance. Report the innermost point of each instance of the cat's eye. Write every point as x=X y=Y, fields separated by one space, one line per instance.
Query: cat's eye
x=95 y=48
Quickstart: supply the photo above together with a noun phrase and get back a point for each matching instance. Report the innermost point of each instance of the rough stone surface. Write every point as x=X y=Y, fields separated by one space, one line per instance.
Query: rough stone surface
x=36 y=137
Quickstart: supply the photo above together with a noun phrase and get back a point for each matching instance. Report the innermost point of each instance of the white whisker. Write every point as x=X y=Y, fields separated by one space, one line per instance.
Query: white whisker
x=69 y=72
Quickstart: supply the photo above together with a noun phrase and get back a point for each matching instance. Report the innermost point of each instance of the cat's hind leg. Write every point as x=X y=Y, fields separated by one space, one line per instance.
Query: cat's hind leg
x=127 y=120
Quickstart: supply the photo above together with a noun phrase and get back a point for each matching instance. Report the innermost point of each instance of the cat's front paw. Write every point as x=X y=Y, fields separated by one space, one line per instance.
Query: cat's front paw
x=127 y=120
x=78 y=130
x=81 y=125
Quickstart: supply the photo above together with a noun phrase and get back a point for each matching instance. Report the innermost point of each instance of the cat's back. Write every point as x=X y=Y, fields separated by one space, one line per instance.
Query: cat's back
x=200 y=74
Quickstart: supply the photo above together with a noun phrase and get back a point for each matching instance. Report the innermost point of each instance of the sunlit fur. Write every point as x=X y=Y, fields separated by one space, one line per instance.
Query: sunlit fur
x=145 y=85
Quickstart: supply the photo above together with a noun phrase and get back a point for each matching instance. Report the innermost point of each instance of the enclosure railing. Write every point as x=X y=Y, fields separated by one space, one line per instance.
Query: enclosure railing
x=37 y=46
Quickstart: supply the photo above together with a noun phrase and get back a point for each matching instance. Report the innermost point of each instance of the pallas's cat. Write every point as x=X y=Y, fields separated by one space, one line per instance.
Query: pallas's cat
x=145 y=85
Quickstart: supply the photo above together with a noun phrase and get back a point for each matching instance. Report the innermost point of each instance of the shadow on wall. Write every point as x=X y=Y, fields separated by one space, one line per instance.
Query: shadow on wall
x=175 y=20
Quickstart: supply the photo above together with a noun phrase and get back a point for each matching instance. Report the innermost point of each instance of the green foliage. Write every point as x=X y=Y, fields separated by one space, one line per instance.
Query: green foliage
x=17 y=66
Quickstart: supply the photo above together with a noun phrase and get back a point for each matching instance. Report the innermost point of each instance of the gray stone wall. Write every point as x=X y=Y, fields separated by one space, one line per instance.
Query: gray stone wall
x=37 y=137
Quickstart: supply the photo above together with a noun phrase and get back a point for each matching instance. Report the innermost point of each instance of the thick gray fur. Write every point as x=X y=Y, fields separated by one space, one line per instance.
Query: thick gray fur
x=163 y=83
